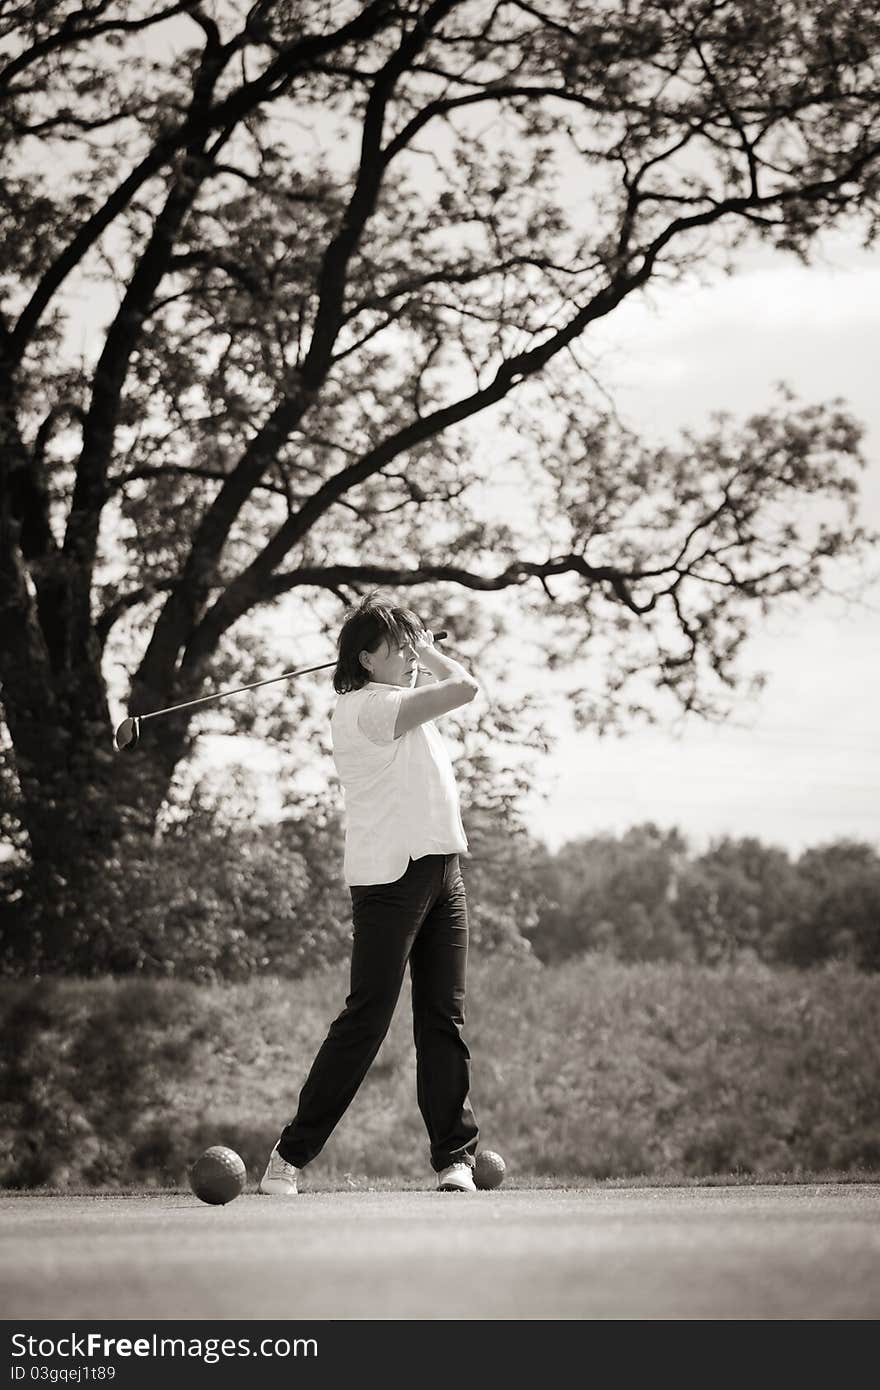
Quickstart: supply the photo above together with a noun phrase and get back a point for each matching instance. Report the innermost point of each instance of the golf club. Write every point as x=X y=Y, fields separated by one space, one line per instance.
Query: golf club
x=128 y=734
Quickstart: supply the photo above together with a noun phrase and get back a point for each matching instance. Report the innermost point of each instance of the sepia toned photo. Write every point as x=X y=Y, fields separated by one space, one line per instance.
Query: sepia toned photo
x=439 y=672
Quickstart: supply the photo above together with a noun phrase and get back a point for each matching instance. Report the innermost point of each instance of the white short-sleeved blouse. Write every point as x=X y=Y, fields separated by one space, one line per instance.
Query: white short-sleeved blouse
x=401 y=799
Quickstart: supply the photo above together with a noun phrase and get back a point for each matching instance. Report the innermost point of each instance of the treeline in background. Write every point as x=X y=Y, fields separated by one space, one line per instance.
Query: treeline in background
x=209 y=900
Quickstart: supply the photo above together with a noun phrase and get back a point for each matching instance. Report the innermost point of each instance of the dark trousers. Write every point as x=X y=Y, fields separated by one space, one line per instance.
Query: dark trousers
x=420 y=918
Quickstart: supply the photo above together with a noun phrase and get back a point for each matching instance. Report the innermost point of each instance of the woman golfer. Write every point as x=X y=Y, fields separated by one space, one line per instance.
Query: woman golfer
x=402 y=842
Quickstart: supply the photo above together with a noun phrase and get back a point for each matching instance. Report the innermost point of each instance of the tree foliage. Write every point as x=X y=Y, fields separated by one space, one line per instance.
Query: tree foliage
x=647 y=896
x=215 y=897
x=282 y=283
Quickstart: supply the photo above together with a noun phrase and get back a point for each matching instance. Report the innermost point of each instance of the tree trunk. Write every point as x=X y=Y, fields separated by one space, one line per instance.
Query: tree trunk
x=79 y=798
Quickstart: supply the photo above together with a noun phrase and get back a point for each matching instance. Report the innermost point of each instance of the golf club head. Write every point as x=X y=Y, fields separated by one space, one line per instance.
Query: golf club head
x=128 y=735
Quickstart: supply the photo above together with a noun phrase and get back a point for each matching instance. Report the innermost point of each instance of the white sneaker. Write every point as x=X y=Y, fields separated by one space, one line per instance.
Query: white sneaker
x=458 y=1178
x=279 y=1179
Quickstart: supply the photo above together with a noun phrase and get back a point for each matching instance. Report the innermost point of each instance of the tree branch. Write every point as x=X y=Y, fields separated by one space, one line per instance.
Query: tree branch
x=195 y=128
x=114 y=611
x=515 y=574
x=811 y=192
x=240 y=593
x=179 y=614
x=90 y=488
x=183 y=470
x=69 y=35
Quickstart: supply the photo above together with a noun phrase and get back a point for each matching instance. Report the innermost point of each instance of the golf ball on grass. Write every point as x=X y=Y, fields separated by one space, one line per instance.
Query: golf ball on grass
x=489 y=1170
x=218 y=1175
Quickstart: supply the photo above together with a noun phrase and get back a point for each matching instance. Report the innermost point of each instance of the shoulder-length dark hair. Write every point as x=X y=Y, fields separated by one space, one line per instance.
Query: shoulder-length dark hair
x=365 y=628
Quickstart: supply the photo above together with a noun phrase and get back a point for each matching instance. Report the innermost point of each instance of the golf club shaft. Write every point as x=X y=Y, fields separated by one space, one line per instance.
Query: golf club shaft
x=206 y=699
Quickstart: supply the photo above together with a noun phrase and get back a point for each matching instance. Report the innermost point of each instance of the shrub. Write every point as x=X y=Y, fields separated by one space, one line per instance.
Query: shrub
x=594 y=1068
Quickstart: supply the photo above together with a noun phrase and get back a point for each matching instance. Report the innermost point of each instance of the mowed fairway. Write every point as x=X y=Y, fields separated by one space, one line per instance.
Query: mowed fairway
x=732 y=1252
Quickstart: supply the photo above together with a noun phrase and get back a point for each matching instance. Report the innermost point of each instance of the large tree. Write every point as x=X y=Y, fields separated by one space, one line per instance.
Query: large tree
x=332 y=248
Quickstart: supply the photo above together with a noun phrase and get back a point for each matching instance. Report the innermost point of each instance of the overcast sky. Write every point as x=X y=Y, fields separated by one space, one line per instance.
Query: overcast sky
x=801 y=764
